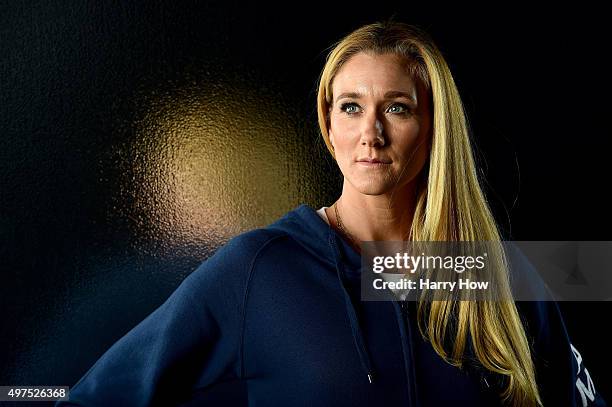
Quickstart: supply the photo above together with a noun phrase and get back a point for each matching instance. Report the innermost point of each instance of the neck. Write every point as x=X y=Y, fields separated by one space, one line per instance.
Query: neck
x=376 y=217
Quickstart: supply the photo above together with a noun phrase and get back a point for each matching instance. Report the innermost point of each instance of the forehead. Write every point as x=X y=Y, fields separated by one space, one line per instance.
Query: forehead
x=367 y=74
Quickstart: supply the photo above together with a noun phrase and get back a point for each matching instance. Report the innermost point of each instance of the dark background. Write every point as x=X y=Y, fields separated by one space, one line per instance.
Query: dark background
x=137 y=137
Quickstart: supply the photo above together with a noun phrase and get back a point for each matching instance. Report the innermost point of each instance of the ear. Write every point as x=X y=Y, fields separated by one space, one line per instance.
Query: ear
x=330 y=133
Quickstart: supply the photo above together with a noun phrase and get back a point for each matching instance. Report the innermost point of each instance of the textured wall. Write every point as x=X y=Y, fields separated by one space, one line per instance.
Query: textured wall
x=139 y=136
x=137 y=140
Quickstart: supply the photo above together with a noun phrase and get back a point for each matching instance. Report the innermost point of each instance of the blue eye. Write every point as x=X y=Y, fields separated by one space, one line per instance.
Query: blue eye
x=349 y=108
x=352 y=108
x=403 y=107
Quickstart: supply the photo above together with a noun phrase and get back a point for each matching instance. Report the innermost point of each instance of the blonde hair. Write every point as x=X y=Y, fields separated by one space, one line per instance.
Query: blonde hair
x=450 y=206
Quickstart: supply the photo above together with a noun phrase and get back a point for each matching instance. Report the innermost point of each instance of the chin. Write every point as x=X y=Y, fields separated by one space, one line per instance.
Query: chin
x=372 y=188
x=379 y=185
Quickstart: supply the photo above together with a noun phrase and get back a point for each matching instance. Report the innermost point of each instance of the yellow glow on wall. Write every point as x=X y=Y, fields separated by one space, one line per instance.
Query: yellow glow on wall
x=211 y=161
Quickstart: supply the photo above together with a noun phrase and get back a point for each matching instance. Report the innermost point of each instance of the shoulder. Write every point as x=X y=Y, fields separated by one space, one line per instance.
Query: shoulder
x=535 y=303
x=227 y=269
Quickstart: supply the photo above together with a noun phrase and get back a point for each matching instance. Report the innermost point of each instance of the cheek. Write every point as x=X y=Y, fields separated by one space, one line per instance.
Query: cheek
x=407 y=136
x=412 y=144
x=341 y=128
x=344 y=133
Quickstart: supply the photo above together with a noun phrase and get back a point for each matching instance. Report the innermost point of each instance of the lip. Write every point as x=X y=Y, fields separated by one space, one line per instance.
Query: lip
x=372 y=164
x=372 y=161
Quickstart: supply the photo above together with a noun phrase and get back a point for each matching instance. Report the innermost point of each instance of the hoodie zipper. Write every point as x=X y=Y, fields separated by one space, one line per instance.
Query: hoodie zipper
x=408 y=355
x=404 y=308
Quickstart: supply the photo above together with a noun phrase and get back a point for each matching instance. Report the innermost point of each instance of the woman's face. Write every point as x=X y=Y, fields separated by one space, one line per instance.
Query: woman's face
x=378 y=111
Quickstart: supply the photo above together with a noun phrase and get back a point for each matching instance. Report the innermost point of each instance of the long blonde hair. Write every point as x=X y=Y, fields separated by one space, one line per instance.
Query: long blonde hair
x=450 y=206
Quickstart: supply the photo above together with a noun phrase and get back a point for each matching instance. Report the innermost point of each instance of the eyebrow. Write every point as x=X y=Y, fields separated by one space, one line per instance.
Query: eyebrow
x=389 y=95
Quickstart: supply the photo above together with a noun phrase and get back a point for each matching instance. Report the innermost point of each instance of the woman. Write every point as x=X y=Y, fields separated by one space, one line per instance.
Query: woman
x=277 y=312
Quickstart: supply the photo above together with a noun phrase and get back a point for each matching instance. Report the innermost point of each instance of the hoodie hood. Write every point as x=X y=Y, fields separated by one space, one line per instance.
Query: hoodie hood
x=316 y=236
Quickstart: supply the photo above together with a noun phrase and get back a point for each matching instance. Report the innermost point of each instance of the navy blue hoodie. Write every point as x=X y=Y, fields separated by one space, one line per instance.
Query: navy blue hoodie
x=275 y=315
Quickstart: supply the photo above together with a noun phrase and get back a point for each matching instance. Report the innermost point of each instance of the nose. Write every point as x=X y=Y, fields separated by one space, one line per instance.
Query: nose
x=372 y=132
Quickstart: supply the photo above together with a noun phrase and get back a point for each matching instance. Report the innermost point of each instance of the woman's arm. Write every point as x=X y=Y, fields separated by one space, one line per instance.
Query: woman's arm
x=190 y=342
x=561 y=374
x=560 y=370
x=156 y=358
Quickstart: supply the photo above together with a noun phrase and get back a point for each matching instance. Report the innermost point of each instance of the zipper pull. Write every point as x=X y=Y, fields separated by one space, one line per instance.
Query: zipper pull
x=404 y=308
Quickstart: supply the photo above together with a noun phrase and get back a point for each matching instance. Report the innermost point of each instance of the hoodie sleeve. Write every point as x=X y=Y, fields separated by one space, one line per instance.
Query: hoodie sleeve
x=190 y=342
x=562 y=376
